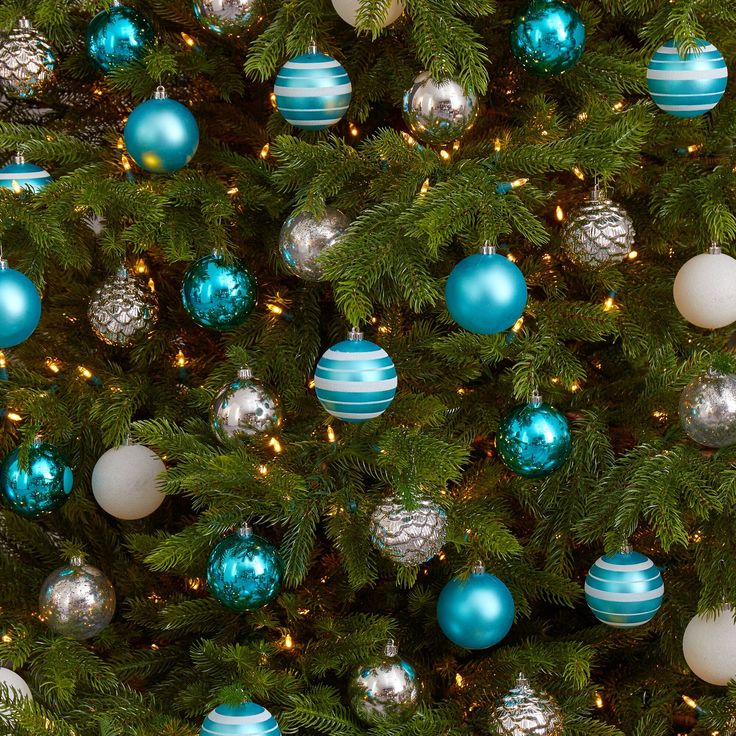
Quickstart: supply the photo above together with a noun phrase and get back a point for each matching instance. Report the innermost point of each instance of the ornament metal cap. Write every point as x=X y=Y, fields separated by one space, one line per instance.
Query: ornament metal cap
x=391 y=650
x=714 y=249
x=19 y=158
x=536 y=399
x=625 y=548
x=521 y=681
x=76 y=561
x=312 y=48
x=479 y=568
x=24 y=23
x=355 y=334
x=245 y=529
x=487 y=249
x=160 y=93
x=245 y=372
x=3 y=264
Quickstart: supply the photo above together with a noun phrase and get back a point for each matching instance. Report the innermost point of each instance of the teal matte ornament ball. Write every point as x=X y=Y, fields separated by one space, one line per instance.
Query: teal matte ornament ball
x=689 y=84
x=534 y=439
x=217 y=294
x=244 y=571
x=20 y=175
x=42 y=485
x=624 y=589
x=117 y=36
x=161 y=135
x=486 y=293
x=313 y=91
x=547 y=37
x=475 y=613
x=356 y=379
x=246 y=719
x=20 y=306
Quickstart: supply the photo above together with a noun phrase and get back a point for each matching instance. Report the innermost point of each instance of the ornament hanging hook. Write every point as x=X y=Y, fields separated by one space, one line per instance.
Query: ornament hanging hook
x=536 y=397
x=355 y=333
x=479 y=568
x=714 y=249
x=488 y=249
x=596 y=193
x=312 y=48
x=391 y=650
x=245 y=529
x=160 y=93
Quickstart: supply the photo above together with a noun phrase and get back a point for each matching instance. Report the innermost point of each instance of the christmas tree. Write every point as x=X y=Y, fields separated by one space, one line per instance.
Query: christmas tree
x=358 y=357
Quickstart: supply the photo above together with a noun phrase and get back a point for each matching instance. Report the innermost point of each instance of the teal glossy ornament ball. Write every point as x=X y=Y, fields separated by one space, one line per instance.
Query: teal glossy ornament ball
x=218 y=295
x=43 y=485
x=624 y=589
x=690 y=84
x=20 y=175
x=117 y=36
x=486 y=293
x=20 y=306
x=161 y=135
x=475 y=613
x=534 y=439
x=547 y=37
x=246 y=719
x=244 y=571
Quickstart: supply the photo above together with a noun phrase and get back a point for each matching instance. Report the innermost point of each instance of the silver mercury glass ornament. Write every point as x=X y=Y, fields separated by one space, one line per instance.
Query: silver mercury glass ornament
x=598 y=234
x=227 y=16
x=303 y=238
x=77 y=600
x=386 y=692
x=438 y=111
x=122 y=309
x=708 y=409
x=525 y=712
x=26 y=60
x=244 y=408
x=408 y=537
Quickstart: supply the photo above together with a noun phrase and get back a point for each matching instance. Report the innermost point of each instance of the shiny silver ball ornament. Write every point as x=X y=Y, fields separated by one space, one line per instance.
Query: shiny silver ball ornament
x=26 y=60
x=304 y=238
x=227 y=16
x=525 y=712
x=708 y=409
x=77 y=600
x=409 y=537
x=598 y=234
x=438 y=111
x=244 y=408
x=123 y=309
x=387 y=691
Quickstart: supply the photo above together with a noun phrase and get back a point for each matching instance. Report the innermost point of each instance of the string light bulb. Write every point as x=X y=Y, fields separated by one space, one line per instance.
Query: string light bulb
x=181 y=360
x=276 y=445
x=578 y=173
x=126 y=163
x=425 y=187
x=14 y=416
x=518 y=324
x=2 y=359
x=264 y=151
x=331 y=434
x=51 y=364
x=559 y=213
x=633 y=255
x=17 y=189
x=287 y=642
x=689 y=701
x=275 y=308
x=445 y=155
x=354 y=130
x=609 y=304
x=188 y=40
x=497 y=145
x=84 y=372
x=598 y=700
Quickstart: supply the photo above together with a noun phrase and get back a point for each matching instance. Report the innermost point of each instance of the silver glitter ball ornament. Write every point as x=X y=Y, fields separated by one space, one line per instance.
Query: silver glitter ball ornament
x=77 y=600
x=438 y=112
x=227 y=16
x=525 y=712
x=387 y=691
x=409 y=537
x=708 y=409
x=244 y=408
x=122 y=309
x=26 y=60
x=304 y=238
x=598 y=234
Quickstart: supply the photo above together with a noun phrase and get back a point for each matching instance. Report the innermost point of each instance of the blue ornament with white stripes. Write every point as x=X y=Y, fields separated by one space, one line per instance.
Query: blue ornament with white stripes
x=246 y=719
x=690 y=84
x=624 y=589
x=356 y=379
x=20 y=176
x=313 y=91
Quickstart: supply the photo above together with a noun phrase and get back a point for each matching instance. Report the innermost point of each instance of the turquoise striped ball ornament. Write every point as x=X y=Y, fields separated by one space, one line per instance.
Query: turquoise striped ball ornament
x=20 y=175
x=313 y=91
x=624 y=590
x=689 y=85
x=247 y=719
x=356 y=379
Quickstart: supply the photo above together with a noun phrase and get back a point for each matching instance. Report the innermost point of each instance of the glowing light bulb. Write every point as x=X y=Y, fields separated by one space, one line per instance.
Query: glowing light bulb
x=559 y=213
x=264 y=151
x=277 y=448
x=578 y=173
x=425 y=187
x=188 y=40
x=330 y=434
x=275 y=308
x=633 y=255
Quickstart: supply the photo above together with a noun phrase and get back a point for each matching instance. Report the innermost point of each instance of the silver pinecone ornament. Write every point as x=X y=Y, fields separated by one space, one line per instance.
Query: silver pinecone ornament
x=122 y=309
x=598 y=234
x=26 y=60
x=708 y=409
x=525 y=712
x=408 y=537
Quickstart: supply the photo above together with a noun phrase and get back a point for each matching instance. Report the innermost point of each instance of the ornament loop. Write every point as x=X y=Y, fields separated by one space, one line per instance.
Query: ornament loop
x=245 y=529
x=160 y=93
x=245 y=372
x=596 y=193
x=714 y=249
x=536 y=398
x=355 y=334
x=479 y=568
x=487 y=249
x=391 y=650
x=312 y=48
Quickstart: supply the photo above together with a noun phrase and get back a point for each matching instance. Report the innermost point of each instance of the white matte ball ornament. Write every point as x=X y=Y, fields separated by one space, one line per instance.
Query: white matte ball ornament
x=18 y=690
x=709 y=646
x=126 y=482
x=705 y=289
x=348 y=11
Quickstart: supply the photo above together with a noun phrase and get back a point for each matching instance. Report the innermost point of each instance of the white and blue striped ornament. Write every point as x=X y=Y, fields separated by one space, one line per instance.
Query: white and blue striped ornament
x=313 y=91
x=356 y=379
x=21 y=174
x=687 y=86
x=624 y=589
x=247 y=719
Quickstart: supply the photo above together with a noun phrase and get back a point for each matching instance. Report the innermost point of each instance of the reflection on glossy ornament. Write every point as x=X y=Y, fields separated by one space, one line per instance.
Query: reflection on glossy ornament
x=408 y=537
x=709 y=646
x=246 y=719
x=17 y=690
x=117 y=36
x=122 y=309
x=42 y=485
x=708 y=409
x=244 y=571
x=20 y=176
x=438 y=111
x=304 y=238
x=348 y=11
x=227 y=16
x=547 y=37
x=20 y=306
x=534 y=439
x=26 y=61
x=77 y=600
x=244 y=408
x=388 y=691
x=525 y=712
